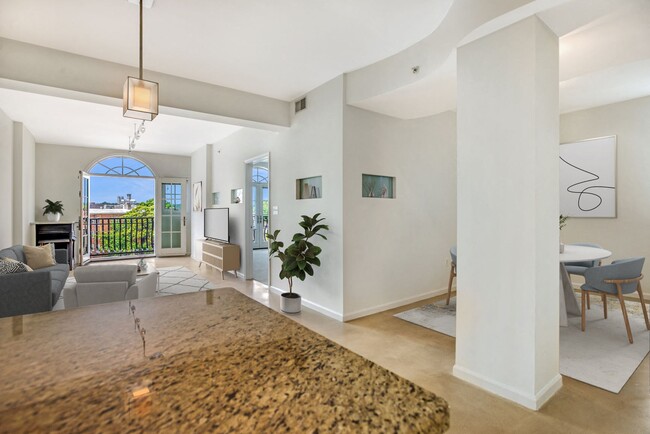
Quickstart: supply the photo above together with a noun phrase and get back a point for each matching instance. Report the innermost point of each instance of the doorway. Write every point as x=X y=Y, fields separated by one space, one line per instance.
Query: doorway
x=257 y=186
x=117 y=209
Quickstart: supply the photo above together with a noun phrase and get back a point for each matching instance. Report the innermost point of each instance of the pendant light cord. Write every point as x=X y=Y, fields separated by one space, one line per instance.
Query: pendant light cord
x=141 y=1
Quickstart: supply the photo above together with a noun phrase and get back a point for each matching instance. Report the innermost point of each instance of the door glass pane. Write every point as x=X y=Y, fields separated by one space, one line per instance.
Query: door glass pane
x=176 y=223
x=176 y=240
x=171 y=215
x=166 y=241
x=165 y=224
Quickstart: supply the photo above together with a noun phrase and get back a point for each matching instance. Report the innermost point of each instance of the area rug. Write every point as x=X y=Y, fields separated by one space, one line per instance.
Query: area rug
x=600 y=356
x=173 y=280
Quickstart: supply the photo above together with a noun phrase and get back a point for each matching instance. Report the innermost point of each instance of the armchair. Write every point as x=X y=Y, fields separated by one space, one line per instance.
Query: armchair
x=619 y=278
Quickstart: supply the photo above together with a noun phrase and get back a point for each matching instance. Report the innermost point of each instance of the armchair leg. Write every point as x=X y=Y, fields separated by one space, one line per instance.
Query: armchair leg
x=627 y=322
x=645 y=311
x=452 y=274
x=604 y=304
x=583 y=294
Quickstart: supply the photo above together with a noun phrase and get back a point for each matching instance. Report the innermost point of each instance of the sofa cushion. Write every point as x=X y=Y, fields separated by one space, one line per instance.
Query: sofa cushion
x=10 y=266
x=39 y=257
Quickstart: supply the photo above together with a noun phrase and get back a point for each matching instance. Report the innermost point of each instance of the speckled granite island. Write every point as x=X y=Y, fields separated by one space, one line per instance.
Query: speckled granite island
x=216 y=361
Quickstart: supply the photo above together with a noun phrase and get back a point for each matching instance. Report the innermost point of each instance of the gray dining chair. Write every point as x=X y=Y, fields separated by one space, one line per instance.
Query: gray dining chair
x=616 y=279
x=579 y=268
x=452 y=272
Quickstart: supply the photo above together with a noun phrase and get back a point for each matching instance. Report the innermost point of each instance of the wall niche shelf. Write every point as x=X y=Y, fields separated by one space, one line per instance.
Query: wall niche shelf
x=237 y=195
x=378 y=187
x=309 y=188
x=215 y=198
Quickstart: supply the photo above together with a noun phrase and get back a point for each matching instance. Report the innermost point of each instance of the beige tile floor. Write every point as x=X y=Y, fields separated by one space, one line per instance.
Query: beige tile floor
x=427 y=358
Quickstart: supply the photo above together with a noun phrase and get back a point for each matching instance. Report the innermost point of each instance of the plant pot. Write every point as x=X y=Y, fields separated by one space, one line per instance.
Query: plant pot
x=290 y=302
x=561 y=248
x=53 y=217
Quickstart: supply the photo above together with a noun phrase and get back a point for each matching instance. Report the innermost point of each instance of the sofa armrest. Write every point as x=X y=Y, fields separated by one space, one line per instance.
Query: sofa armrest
x=25 y=293
x=61 y=256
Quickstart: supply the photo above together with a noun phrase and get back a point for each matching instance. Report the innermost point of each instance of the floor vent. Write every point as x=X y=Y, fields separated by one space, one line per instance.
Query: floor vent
x=301 y=104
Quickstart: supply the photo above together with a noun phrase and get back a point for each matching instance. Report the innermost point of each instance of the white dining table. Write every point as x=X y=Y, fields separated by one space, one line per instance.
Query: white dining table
x=568 y=302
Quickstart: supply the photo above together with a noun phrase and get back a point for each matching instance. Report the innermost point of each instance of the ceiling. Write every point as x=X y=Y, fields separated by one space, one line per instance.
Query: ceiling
x=285 y=48
x=279 y=48
x=65 y=121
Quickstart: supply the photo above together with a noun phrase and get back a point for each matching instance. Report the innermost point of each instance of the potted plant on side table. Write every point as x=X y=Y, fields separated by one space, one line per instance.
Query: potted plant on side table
x=298 y=259
x=53 y=210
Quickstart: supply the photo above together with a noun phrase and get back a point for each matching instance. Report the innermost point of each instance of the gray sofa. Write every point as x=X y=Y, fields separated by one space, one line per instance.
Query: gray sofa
x=34 y=291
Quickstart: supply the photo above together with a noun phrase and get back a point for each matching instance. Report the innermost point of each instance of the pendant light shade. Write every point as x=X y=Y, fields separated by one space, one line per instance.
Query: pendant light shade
x=140 y=99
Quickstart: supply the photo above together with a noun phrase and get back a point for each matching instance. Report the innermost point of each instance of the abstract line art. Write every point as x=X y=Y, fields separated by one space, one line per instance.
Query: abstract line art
x=582 y=192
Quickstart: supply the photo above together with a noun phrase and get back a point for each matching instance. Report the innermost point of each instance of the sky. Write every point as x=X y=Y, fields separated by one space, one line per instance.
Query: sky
x=107 y=188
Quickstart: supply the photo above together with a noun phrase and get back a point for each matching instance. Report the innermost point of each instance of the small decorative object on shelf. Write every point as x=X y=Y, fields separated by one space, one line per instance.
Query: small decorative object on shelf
x=563 y=219
x=236 y=195
x=53 y=210
x=309 y=188
x=142 y=265
x=382 y=187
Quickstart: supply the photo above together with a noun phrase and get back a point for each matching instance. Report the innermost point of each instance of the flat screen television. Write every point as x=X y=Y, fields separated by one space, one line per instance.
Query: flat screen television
x=215 y=224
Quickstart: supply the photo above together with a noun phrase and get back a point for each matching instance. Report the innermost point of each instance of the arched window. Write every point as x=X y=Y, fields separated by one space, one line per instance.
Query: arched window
x=121 y=166
x=260 y=175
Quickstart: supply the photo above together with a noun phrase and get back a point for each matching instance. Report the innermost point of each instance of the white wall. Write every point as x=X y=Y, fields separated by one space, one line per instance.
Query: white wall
x=58 y=166
x=24 y=178
x=628 y=234
x=6 y=180
x=200 y=167
x=396 y=251
x=228 y=173
x=311 y=147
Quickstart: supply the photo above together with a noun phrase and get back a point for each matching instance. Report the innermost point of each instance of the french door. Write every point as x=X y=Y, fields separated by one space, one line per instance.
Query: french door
x=84 y=218
x=260 y=215
x=171 y=213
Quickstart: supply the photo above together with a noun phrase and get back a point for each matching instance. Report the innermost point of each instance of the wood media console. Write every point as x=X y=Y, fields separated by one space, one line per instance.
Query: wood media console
x=222 y=256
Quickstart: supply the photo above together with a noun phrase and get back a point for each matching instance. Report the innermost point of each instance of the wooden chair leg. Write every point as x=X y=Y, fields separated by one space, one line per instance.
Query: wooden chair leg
x=604 y=296
x=627 y=322
x=583 y=294
x=588 y=301
x=642 y=300
x=451 y=280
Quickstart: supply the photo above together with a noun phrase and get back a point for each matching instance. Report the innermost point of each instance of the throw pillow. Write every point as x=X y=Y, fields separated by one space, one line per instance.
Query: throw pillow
x=39 y=257
x=11 y=266
x=28 y=268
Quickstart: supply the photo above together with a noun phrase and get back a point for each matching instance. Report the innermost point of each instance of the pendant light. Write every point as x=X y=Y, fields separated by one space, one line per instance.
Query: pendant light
x=140 y=98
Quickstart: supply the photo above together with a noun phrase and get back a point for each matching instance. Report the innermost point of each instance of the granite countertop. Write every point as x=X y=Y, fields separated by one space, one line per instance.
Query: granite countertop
x=228 y=364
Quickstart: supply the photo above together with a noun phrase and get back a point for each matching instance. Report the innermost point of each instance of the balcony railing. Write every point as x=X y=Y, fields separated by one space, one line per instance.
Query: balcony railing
x=115 y=236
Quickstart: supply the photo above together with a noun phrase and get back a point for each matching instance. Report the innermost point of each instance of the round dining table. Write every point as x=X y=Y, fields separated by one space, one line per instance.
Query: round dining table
x=572 y=253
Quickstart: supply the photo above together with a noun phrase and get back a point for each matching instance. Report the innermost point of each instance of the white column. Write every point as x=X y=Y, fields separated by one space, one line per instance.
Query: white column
x=507 y=338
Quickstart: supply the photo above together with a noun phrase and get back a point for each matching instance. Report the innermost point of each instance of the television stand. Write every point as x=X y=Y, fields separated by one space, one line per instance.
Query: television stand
x=220 y=256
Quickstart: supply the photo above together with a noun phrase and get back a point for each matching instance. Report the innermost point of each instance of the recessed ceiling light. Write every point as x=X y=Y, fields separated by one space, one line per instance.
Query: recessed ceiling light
x=145 y=3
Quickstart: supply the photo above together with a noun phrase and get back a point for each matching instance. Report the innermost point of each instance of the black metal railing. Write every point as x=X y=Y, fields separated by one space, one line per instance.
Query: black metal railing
x=115 y=236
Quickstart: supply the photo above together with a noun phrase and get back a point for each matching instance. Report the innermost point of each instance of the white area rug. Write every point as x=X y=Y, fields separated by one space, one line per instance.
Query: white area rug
x=173 y=280
x=600 y=356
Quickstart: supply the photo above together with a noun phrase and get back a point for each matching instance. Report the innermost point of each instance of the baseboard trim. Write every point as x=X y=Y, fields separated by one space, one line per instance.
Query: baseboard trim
x=394 y=304
x=533 y=402
x=311 y=305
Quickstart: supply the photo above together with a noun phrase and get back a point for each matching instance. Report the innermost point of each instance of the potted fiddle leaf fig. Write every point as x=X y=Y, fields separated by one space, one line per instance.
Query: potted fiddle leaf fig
x=298 y=259
x=53 y=210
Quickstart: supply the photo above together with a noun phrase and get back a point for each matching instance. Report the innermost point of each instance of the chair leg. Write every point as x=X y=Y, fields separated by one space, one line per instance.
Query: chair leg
x=588 y=301
x=583 y=294
x=627 y=322
x=451 y=280
x=645 y=311
x=604 y=304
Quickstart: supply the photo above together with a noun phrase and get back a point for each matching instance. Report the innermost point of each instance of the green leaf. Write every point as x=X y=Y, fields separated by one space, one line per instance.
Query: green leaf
x=314 y=261
x=301 y=275
x=316 y=250
x=302 y=264
x=309 y=270
x=322 y=236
